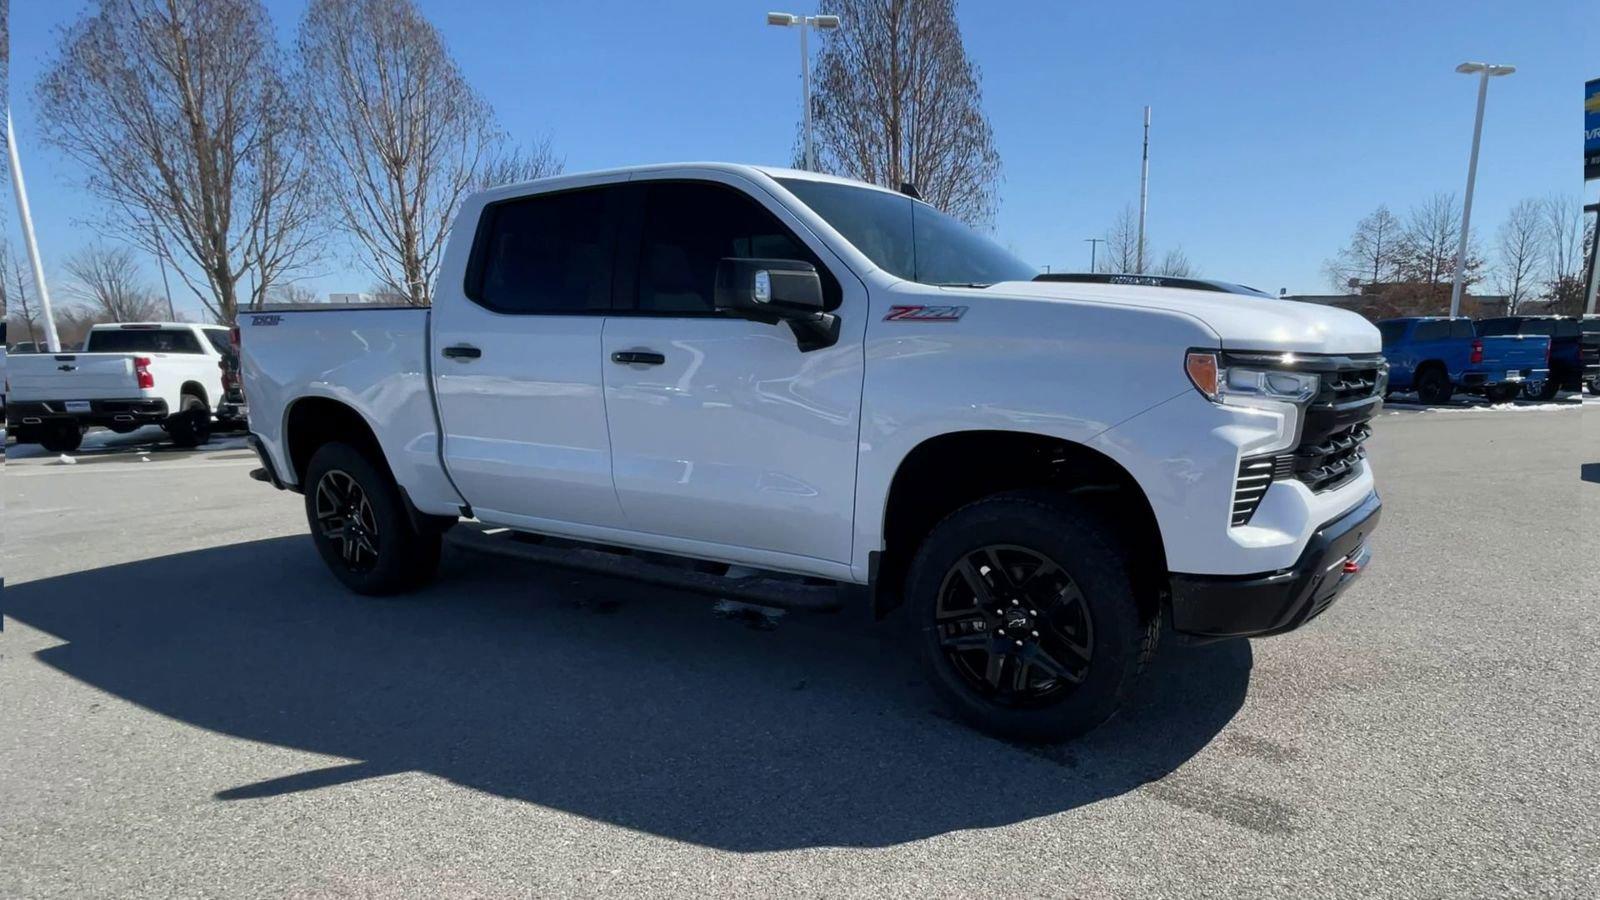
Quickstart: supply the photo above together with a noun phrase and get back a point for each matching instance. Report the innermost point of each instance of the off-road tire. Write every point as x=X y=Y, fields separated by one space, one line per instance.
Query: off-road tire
x=1070 y=535
x=406 y=558
x=190 y=426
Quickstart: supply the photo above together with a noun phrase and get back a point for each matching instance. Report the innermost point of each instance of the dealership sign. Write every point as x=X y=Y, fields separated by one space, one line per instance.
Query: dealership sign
x=1591 y=130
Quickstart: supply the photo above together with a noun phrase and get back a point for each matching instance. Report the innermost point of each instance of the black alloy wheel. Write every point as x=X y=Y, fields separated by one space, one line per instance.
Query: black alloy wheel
x=1014 y=626
x=346 y=517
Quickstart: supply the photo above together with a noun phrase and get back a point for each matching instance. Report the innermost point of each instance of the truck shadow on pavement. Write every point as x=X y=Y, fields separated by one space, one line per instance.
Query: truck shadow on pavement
x=599 y=698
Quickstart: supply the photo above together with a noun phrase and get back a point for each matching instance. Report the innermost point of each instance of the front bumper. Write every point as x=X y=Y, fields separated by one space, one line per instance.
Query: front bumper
x=1221 y=606
x=100 y=412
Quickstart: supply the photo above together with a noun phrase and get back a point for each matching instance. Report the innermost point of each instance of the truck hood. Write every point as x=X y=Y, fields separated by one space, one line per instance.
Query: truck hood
x=1241 y=321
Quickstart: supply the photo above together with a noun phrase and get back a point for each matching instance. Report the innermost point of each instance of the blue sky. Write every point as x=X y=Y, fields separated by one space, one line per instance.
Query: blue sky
x=1276 y=124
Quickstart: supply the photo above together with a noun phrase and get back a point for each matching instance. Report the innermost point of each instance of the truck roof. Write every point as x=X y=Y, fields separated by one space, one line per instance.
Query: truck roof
x=660 y=168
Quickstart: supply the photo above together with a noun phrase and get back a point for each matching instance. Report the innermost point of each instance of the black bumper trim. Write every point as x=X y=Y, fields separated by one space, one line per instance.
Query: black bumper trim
x=1220 y=606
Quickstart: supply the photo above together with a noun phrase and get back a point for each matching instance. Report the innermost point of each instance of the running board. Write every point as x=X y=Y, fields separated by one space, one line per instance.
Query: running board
x=760 y=587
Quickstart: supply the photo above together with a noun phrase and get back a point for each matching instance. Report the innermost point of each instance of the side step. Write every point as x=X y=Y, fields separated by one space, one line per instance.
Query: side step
x=774 y=589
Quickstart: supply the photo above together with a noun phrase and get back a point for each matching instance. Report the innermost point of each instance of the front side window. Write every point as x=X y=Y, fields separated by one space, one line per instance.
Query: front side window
x=142 y=340
x=545 y=254
x=907 y=238
x=689 y=227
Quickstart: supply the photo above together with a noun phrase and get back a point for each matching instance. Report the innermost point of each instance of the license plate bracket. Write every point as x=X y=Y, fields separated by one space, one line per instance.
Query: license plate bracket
x=77 y=406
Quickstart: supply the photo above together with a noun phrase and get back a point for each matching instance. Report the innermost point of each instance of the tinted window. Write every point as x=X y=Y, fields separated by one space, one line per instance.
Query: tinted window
x=689 y=227
x=219 y=341
x=1436 y=330
x=1393 y=332
x=142 y=340
x=1462 y=328
x=1566 y=328
x=546 y=254
x=1493 y=327
x=907 y=238
x=1590 y=326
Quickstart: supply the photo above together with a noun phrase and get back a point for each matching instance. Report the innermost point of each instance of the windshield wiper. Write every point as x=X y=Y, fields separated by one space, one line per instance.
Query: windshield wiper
x=965 y=284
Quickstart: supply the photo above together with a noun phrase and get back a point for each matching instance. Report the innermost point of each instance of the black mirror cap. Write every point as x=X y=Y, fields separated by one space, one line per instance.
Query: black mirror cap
x=768 y=290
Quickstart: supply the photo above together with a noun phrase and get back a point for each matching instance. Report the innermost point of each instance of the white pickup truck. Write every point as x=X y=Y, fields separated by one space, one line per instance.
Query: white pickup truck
x=801 y=389
x=128 y=375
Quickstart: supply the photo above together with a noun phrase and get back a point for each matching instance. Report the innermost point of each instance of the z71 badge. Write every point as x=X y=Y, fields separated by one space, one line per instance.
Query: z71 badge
x=925 y=313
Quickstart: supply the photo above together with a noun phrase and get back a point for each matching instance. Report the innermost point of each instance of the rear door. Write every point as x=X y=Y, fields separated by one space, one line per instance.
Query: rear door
x=516 y=360
x=730 y=435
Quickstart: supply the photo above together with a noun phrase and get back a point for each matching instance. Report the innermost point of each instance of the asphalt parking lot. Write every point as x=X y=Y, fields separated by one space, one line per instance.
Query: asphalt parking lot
x=191 y=706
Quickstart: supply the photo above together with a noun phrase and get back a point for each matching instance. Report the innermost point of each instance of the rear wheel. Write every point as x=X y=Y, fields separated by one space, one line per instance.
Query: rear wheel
x=1433 y=386
x=191 y=425
x=64 y=437
x=1025 y=617
x=360 y=525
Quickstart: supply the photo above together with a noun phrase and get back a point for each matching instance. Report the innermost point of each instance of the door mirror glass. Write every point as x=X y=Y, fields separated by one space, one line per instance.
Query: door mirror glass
x=777 y=290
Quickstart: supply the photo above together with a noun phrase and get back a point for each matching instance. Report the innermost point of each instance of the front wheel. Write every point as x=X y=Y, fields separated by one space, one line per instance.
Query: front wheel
x=191 y=425
x=1545 y=390
x=359 y=523
x=1026 y=620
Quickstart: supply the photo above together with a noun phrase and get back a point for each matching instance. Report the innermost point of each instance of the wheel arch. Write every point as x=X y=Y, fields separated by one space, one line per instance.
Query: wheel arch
x=947 y=471
x=312 y=421
x=197 y=389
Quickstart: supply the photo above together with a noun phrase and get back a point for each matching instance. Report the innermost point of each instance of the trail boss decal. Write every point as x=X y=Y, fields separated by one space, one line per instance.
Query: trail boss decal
x=265 y=321
x=925 y=313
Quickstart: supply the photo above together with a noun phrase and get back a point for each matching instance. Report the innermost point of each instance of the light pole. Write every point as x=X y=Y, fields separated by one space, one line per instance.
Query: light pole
x=1484 y=71
x=51 y=341
x=1144 y=187
x=1094 y=244
x=805 y=24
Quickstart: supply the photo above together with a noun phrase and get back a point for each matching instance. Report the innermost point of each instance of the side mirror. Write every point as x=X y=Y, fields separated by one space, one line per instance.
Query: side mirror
x=777 y=290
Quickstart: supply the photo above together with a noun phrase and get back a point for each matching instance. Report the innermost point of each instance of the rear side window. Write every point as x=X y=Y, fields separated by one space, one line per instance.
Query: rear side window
x=688 y=227
x=1496 y=327
x=1462 y=328
x=142 y=340
x=1393 y=332
x=545 y=254
x=1432 y=331
x=1566 y=328
x=219 y=341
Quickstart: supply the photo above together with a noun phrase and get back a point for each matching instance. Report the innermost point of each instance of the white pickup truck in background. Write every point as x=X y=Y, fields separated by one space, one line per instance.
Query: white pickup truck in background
x=128 y=375
x=799 y=389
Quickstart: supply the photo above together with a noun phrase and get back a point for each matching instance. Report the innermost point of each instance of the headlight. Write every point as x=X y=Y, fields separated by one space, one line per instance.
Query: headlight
x=1276 y=398
x=1247 y=386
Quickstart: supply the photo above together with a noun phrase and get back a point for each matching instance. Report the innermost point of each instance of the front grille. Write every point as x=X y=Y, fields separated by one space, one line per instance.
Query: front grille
x=1332 y=437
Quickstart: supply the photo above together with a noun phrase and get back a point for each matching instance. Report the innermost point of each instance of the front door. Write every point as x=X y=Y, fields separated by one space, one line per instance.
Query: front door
x=722 y=430
x=516 y=359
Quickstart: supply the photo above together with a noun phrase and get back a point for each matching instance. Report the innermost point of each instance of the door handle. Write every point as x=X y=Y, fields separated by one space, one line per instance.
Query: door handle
x=638 y=358
x=462 y=352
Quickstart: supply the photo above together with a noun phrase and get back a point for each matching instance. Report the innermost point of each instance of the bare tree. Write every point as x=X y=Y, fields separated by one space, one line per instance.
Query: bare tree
x=15 y=279
x=1566 y=241
x=108 y=281
x=1520 y=247
x=1428 y=244
x=513 y=165
x=178 y=112
x=1121 y=254
x=1373 y=255
x=1175 y=264
x=295 y=293
x=896 y=100
x=403 y=137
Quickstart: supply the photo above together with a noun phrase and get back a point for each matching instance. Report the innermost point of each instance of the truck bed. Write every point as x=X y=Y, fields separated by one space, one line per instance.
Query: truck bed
x=372 y=359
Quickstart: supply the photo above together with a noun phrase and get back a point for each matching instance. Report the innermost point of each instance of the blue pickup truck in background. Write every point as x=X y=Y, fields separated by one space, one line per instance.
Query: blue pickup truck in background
x=1571 y=362
x=1437 y=356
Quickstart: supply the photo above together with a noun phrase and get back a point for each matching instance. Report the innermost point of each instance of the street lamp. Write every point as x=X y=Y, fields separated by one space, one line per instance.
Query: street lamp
x=805 y=24
x=1484 y=71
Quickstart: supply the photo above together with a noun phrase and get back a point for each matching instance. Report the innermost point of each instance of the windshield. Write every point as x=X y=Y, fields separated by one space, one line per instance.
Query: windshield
x=909 y=239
